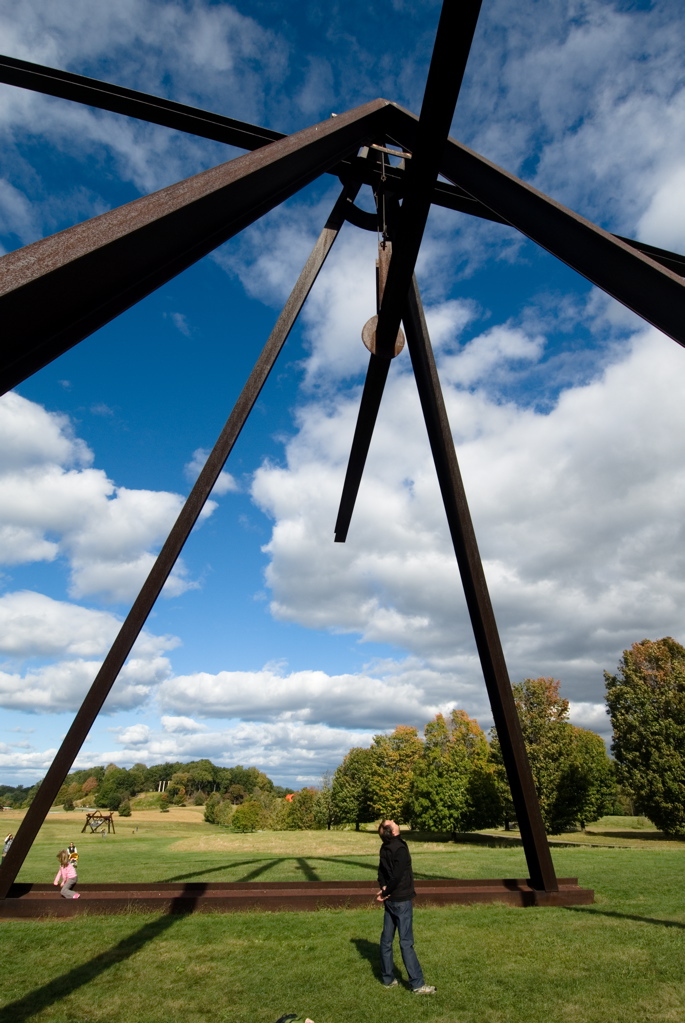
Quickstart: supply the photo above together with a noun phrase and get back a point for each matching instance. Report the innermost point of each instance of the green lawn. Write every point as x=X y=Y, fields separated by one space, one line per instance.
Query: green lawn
x=620 y=959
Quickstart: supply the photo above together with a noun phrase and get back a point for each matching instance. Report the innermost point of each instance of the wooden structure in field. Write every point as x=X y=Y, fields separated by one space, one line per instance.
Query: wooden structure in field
x=98 y=820
x=59 y=290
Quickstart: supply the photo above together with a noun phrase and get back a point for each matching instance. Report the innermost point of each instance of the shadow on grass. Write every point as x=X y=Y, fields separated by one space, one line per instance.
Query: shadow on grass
x=373 y=867
x=262 y=870
x=370 y=951
x=55 y=990
x=208 y=870
x=626 y=916
x=637 y=835
x=307 y=870
x=304 y=864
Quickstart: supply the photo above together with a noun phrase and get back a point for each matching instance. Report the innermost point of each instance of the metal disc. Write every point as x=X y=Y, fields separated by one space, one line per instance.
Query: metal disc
x=369 y=337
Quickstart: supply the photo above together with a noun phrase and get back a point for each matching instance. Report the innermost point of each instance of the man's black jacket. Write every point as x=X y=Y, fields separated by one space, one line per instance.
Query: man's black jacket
x=394 y=870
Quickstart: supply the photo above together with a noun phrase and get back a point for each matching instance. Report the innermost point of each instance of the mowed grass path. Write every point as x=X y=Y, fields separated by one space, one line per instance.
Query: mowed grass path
x=621 y=959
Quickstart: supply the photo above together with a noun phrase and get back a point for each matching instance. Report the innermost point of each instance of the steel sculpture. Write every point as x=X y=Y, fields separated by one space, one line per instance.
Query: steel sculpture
x=57 y=291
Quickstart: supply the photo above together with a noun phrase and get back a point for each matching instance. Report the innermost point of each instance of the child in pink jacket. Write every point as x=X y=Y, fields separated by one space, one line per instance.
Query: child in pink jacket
x=66 y=876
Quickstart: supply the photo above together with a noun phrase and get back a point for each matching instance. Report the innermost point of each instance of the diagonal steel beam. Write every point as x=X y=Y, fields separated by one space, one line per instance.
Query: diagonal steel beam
x=52 y=82
x=478 y=600
x=641 y=283
x=374 y=385
x=651 y=290
x=205 y=124
x=452 y=45
x=448 y=63
x=55 y=292
x=152 y=587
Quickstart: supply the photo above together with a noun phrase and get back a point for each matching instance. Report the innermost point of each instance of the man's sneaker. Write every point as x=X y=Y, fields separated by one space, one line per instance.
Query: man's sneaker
x=393 y=983
x=425 y=989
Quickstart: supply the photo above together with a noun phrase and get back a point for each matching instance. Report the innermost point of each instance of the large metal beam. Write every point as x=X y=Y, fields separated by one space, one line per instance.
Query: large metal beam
x=55 y=292
x=206 y=124
x=452 y=45
x=169 y=554
x=154 y=109
x=641 y=283
x=448 y=63
x=374 y=384
x=478 y=600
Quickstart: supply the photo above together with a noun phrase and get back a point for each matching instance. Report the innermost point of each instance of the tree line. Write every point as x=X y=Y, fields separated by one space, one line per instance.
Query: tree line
x=451 y=778
x=178 y=783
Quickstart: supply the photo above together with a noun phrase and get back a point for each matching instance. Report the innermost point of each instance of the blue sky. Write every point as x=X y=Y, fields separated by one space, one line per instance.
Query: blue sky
x=273 y=645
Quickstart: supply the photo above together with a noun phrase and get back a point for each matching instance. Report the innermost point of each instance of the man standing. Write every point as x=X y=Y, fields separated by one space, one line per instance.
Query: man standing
x=396 y=892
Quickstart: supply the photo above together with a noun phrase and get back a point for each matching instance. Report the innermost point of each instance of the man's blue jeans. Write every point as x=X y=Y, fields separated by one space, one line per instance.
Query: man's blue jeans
x=398 y=917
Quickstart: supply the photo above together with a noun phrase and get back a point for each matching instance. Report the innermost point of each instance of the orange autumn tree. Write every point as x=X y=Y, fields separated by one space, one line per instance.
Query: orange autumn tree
x=392 y=768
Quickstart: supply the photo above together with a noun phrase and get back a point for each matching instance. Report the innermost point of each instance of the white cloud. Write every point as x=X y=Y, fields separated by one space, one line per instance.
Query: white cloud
x=197 y=53
x=591 y=715
x=493 y=354
x=401 y=694
x=225 y=483
x=16 y=214
x=53 y=503
x=63 y=685
x=33 y=626
x=134 y=735
x=663 y=222
x=579 y=514
x=181 y=725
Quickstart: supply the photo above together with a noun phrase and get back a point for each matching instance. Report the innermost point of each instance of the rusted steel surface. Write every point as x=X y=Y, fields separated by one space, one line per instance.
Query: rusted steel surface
x=448 y=62
x=650 y=289
x=623 y=269
x=43 y=900
x=478 y=601
x=374 y=384
x=207 y=124
x=113 y=663
x=56 y=291
x=450 y=54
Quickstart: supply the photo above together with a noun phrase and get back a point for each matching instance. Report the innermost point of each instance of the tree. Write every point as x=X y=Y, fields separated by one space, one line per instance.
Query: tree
x=570 y=771
x=211 y=808
x=351 y=788
x=247 y=816
x=324 y=807
x=89 y=785
x=646 y=701
x=302 y=815
x=392 y=767
x=452 y=788
x=436 y=798
x=593 y=778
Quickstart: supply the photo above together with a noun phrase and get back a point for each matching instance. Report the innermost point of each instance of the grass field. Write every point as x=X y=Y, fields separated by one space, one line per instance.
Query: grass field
x=621 y=959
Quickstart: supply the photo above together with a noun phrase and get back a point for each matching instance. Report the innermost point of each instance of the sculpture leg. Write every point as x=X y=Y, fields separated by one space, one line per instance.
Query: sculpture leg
x=168 y=555
x=523 y=792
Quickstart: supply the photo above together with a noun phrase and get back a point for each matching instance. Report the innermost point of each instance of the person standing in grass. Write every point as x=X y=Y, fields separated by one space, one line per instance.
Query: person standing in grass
x=396 y=882
x=7 y=844
x=66 y=876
